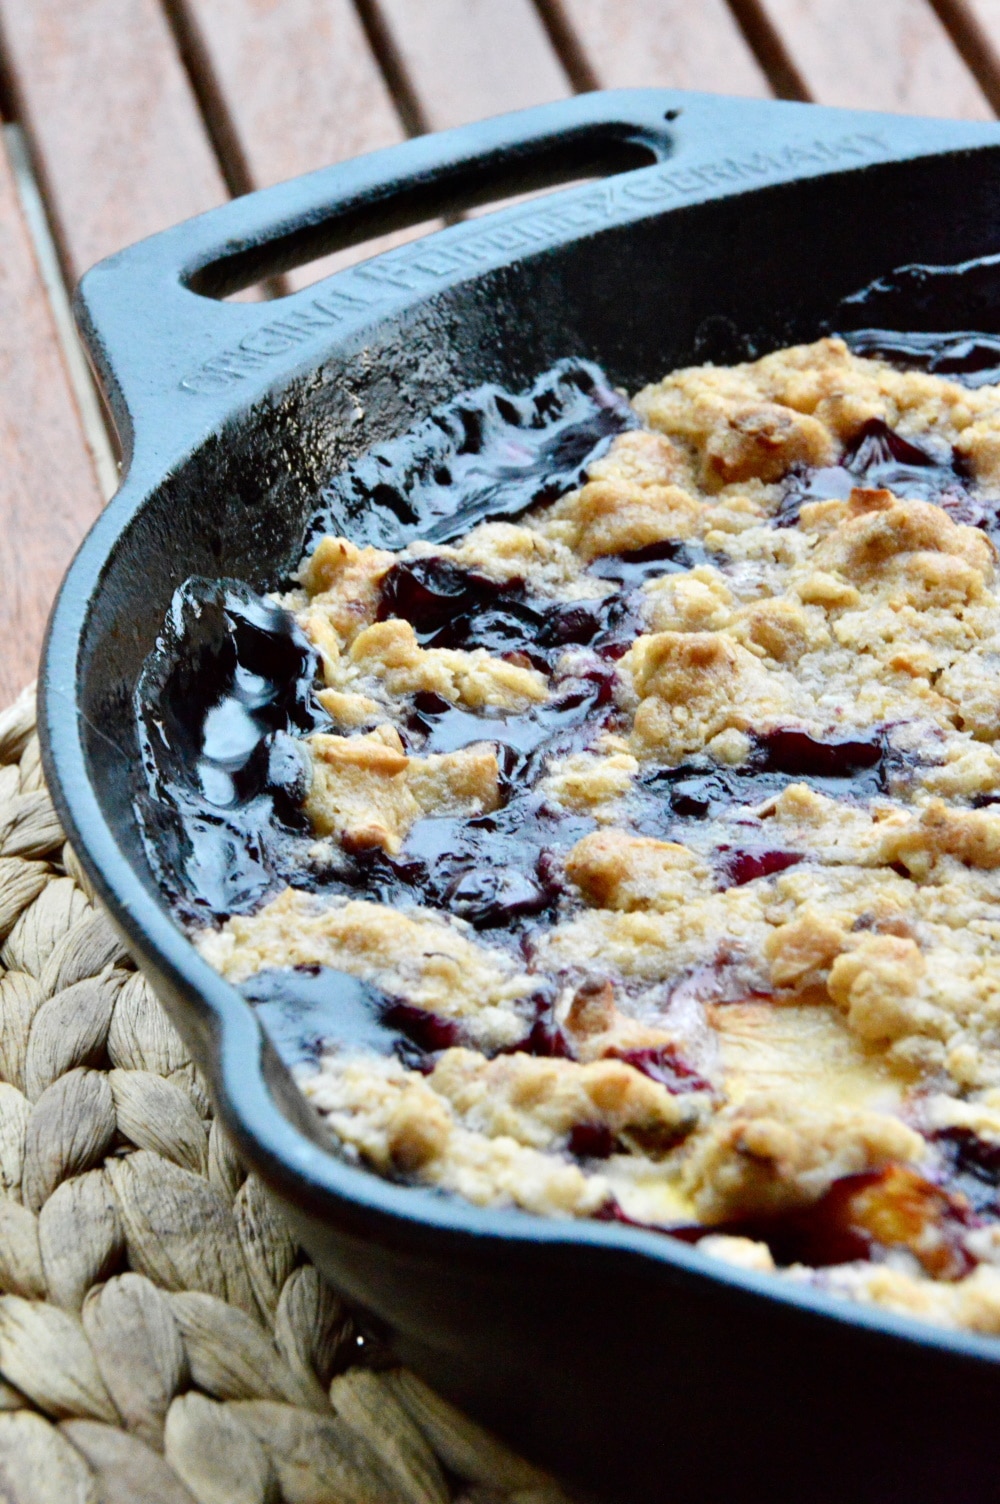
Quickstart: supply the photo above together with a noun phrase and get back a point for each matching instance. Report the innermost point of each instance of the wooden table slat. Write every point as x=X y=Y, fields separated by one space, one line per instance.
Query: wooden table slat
x=48 y=489
x=308 y=65
x=300 y=88
x=670 y=43
x=300 y=84
x=120 y=144
x=467 y=59
x=877 y=55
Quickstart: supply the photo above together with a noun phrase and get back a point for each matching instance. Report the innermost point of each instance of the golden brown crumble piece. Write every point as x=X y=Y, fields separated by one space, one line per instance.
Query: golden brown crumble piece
x=769 y=1153
x=691 y=686
x=342 y=582
x=615 y=517
x=389 y=653
x=368 y=793
x=614 y=870
x=540 y=1102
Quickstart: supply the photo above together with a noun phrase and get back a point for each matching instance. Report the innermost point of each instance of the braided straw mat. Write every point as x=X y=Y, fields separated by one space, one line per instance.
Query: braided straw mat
x=162 y=1339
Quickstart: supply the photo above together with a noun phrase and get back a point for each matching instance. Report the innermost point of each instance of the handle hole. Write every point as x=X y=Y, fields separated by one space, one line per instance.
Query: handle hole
x=304 y=274
x=287 y=263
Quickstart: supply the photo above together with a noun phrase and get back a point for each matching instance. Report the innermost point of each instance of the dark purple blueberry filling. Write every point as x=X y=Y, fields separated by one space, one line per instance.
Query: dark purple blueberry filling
x=454 y=608
x=306 y=1009
x=633 y=568
x=917 y=316
x=218 y=706
x=818 y=1235
x=449 y=607
x=494 y=870
x=427 y=1032
x=501 y=868
x=969 y=357
x=859 y=1217
x=309 y=1009
x=665 y=1064
x=788 y=750
x=878 y=458
x=973 y=1166
x=855 y=768
x=487 y=454
x=591 y=1141
x=739 y=865
x=877 y=444
x=544 y=1036
x=431 y=593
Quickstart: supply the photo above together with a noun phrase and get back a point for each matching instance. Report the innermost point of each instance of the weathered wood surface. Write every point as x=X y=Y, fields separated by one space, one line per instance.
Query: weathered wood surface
x=876 y=54
x=670 y=43
x=290 y=87
x=119 y=140
x=48 y=489
x=975 y=27
x=298 y=82
x=466 y=59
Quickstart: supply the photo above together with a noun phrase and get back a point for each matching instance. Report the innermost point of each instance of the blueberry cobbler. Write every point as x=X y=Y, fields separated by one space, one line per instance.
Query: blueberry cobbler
x=631 y=849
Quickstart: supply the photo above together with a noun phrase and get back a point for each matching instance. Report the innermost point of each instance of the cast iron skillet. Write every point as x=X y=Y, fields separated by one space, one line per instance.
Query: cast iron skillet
x=623 y=1358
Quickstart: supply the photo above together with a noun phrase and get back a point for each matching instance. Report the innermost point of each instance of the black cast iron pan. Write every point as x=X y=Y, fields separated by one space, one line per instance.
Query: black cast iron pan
x=721 y=227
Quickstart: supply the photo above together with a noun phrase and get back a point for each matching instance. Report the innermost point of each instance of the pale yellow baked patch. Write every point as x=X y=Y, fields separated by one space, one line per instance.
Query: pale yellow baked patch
x=433 y=963
x=366 y=791
x=389 y=652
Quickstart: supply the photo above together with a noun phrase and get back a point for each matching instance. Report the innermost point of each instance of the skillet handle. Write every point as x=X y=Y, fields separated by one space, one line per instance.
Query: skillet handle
x=174 y=360
x=151 y=315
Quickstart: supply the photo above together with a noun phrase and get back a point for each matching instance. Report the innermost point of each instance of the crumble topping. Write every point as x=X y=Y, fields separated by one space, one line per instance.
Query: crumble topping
x=418 y=956
x=662 y=817
x=367 y=791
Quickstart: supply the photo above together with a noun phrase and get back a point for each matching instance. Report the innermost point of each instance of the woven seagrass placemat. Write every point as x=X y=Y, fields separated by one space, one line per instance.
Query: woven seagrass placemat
x=162 y=1339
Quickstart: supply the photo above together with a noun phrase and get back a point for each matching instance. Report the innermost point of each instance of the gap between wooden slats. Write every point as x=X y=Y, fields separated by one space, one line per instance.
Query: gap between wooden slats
x=468 y=59
x=115 y=129
x=285 y=89
x=471 y=58
x=92 y=415
x=309 y=82
x=48 y=489
x=975 y=29
x=869 y=54
x=294 y=84
x=607 y=44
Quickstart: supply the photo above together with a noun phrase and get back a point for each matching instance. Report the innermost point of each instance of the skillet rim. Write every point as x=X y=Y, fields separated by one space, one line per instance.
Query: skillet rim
x=217 y=1022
